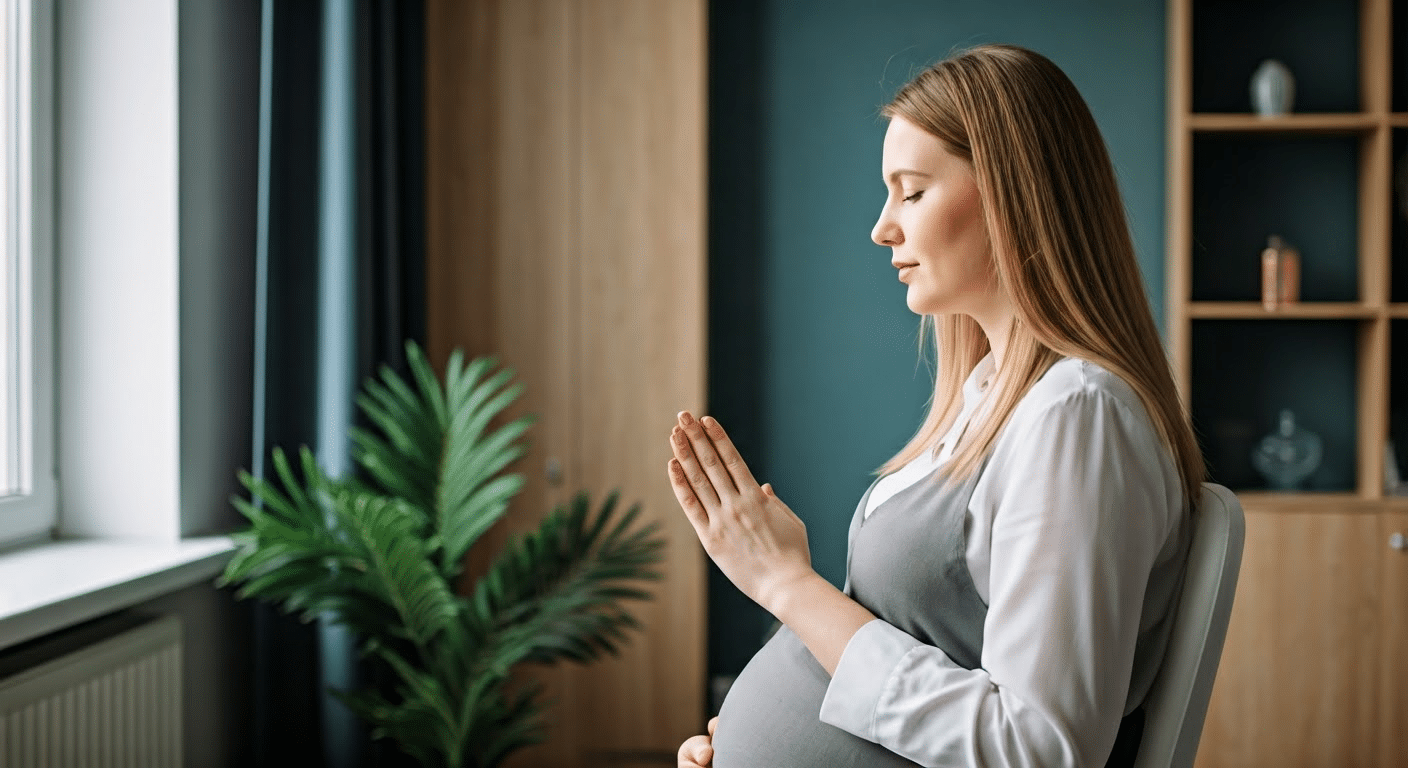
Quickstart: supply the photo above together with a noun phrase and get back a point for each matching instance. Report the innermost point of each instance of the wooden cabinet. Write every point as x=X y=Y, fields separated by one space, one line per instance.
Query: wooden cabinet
x=1300 y=670
x=1312 y=673
x=566 y=224
x=1393 y=658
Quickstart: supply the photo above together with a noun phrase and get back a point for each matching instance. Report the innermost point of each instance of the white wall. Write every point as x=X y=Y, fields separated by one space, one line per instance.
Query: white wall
x=157 y=147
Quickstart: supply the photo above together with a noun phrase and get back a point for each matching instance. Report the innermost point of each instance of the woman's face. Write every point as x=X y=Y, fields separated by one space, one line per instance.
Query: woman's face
x=933 y=223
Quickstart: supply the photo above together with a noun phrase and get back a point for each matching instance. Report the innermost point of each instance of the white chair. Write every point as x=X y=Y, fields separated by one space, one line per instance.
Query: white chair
x=1177 y=702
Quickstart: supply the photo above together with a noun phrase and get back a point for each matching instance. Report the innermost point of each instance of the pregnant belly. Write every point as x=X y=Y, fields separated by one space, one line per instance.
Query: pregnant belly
x=770 y=718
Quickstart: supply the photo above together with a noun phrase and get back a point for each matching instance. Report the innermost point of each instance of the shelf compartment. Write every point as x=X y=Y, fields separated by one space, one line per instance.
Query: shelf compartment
x=1398 y=394
x=1307 y=366
x=1246 y=310
x=1331 y=123
x=1248 y=187
x=1318 y=41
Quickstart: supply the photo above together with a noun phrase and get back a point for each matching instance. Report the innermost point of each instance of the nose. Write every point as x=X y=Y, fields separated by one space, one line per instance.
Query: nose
x=887 y=230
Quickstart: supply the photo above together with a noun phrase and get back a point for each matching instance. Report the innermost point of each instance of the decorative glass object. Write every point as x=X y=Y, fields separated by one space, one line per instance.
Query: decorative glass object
x=1273 y=89
x=1287 y=456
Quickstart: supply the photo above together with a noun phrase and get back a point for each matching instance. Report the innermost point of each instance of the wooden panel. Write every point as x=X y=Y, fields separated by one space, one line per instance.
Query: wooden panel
x=459 y=136
x=533 y=188
x=505 y=278
x=639 y=330
x=1298 y=680
x=1307 y=502
x=1393 y=692
x=498 y=199
x=1376 y=38
x=1393 y=687
x=1373 y=396
x=1255 y=310
x=1179 y=235
x=1307 y=122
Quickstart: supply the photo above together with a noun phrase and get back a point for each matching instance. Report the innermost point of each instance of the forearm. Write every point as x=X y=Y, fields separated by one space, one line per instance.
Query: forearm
x=821 y=615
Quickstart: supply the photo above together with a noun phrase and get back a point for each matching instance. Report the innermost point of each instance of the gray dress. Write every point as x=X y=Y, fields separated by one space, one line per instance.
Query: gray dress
x=907 y=563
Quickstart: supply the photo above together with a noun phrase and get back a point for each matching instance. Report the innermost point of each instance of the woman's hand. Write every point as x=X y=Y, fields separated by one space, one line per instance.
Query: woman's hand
x=698 y=751
x=755 y=539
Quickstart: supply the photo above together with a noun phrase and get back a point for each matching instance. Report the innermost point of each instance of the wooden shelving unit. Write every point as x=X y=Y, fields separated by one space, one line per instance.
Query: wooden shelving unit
x=1313 y=670
x=1372 y=130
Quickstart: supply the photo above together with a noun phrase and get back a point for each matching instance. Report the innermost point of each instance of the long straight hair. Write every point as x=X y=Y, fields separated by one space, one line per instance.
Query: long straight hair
x=1061 y=250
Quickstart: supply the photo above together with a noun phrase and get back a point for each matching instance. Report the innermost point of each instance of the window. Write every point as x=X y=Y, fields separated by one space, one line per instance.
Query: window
x=27 y=486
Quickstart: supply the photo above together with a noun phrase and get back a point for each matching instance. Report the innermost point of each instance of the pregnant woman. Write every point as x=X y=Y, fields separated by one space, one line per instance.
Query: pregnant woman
x=1011 y=572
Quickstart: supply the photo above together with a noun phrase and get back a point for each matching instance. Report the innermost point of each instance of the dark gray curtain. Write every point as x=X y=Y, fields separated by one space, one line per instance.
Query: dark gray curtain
x=339 y=289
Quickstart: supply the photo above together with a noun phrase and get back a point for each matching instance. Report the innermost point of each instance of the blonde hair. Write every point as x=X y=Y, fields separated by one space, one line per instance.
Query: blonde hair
x=1061 y=250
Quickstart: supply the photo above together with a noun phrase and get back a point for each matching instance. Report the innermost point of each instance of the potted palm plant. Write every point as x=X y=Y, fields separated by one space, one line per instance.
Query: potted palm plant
x=381 y=552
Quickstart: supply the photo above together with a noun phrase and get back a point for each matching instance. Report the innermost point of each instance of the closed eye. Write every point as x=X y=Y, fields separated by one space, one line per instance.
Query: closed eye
x=914 y=196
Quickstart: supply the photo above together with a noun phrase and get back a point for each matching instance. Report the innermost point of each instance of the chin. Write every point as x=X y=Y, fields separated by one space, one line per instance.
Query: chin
x=920 y=304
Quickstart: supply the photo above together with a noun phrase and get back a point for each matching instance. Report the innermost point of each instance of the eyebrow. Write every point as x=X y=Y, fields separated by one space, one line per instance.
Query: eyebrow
x=898 y=172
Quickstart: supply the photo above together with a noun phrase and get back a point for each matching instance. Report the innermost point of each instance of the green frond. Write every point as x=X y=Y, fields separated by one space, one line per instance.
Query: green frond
x=411 y=724
x=462 y=379
x=480 y=404
x=428 y=385
x=405 y=406
x=518 y=724
x=378 y=553
x=469 y=520
x=552 y=592
x=398 y=472
x=386 y=531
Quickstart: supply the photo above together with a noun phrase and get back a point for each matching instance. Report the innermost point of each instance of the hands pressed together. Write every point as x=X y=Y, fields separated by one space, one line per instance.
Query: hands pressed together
x=754 y=538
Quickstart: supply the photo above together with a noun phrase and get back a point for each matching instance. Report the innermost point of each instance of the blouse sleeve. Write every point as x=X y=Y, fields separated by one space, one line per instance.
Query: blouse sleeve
x=1082 y=512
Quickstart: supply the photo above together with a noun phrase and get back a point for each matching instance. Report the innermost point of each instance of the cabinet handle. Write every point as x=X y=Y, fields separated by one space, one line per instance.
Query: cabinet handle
x=554 y=472
x=1398 y=542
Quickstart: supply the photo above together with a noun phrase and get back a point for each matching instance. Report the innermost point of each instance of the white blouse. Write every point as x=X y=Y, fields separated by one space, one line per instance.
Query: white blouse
x=1075 y=542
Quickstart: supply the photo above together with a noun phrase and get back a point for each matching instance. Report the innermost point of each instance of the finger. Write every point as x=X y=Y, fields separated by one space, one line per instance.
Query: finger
x=709 y=457
x=694 y=473
x=695 y=752
x=767 y=488
x=684 y=494
x=713 y=723
x=728 y=454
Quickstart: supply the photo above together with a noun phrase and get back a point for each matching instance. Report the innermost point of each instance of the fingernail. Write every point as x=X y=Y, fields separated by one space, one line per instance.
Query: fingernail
x=678 y=436
x=685 y=418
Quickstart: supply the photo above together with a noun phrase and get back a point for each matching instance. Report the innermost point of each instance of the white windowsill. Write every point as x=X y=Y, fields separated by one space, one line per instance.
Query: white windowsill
x=57 y=584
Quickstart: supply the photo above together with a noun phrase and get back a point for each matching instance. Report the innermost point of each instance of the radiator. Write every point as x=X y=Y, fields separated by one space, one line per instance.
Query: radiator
x=105 y=696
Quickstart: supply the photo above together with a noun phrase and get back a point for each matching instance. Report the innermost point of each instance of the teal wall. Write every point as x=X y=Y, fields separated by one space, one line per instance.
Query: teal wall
x=813 y=354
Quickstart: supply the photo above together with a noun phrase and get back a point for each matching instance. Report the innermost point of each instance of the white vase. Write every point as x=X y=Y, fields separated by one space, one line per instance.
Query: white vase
x=1273 y=89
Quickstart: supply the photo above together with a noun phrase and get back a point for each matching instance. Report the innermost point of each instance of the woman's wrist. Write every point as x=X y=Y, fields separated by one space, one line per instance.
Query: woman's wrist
x=780 y=595
x=820 y=614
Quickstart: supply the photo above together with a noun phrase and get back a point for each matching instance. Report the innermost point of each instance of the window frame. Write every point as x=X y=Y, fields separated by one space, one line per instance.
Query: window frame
x=33 y=513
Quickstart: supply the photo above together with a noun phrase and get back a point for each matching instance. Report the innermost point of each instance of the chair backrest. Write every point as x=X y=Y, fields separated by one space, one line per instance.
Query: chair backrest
x=1177 y=702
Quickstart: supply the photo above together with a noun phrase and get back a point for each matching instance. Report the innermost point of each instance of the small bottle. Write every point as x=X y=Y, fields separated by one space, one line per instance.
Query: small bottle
x=1280 y=273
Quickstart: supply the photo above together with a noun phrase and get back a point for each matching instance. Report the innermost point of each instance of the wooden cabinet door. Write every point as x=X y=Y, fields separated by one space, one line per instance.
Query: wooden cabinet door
x=1393 y=676
x=1298 y=683
x=640 y=324
x=566 y=224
